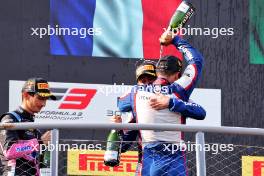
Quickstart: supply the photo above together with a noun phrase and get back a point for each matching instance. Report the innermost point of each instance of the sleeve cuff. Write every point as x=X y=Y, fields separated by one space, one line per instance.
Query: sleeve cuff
x=176 y=40
x=171 y=103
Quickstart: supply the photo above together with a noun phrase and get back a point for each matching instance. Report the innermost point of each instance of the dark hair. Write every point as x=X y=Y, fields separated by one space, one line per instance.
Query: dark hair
x=166 y=72
x=31 y=93
x=169 y=65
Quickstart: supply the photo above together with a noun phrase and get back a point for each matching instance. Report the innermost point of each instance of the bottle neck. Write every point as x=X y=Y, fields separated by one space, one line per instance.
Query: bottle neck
x=116 y=131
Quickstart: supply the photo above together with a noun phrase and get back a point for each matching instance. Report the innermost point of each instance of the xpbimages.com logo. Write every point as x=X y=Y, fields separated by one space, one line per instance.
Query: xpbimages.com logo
x=64 y=31
x=41 y=148
x=188 y=146
x=196 y=31
x=66 y=147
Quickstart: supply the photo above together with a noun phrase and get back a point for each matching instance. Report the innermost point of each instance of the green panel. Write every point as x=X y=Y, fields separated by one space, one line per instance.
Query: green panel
x=257 y=31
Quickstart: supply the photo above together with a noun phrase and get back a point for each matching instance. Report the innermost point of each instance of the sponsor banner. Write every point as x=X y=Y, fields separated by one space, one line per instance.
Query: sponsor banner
x=252 y=165
x=96 y=103
x=76 y=102
x=91 y=162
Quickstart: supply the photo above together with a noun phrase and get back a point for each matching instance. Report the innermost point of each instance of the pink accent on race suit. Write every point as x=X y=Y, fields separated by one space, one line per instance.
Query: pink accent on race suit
x=22 y=149
x=28 y=157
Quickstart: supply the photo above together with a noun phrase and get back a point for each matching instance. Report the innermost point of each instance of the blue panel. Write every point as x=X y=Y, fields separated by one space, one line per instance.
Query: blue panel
x=121 y=22
x=77 y=16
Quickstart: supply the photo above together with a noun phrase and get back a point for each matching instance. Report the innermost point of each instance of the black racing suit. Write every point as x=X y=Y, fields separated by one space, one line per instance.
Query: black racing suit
x=15 y=142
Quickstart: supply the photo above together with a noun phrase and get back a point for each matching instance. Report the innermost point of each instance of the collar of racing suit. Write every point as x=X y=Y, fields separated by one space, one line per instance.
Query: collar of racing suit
x=24 y=114
x=161 y=81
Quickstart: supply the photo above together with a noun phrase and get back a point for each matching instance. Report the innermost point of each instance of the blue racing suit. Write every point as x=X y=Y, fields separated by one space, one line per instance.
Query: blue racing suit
x=157 y=161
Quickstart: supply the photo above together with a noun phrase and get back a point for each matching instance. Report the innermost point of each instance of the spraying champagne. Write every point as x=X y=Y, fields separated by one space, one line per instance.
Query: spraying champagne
x=183 y=13
x=180 y=17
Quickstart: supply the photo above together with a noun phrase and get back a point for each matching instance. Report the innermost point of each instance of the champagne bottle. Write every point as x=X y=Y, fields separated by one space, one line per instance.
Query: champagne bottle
x=113 y=149
x=183 y=13
x=46 y=159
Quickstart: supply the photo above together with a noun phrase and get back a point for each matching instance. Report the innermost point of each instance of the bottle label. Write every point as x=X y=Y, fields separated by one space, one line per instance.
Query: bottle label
x=183 y=7
x=111 y=155
x=45 y=172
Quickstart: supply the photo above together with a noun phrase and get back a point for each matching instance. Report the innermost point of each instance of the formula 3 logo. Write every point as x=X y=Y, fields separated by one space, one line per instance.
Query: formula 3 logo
x=74 y=98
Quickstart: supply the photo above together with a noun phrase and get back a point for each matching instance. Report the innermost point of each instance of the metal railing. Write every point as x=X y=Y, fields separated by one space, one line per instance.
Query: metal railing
x=200 y=154
x=131 y=126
